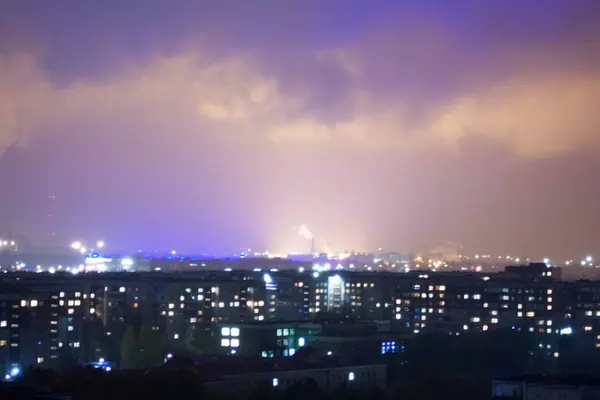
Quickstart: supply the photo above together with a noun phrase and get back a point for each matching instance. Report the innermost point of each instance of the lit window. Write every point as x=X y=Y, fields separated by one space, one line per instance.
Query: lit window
x=235 y=332
x=275 y=382
x=494 y=320
x=33 y=303
x=235 y=342
x=92 y=311
x=2 y=324
x=530 y=314
x=23 y=303
x=225 y=342
x=351 y=376
x=225 y=331
x=176 y=336
x=122 y=289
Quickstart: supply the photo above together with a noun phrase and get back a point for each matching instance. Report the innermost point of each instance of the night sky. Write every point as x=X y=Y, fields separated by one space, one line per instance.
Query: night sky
x=211 y=125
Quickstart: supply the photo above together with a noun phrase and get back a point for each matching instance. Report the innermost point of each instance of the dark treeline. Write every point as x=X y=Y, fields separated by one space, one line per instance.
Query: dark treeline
x=431 y=366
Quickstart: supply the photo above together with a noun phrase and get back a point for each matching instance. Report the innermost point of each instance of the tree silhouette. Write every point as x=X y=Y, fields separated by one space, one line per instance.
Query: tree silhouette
x=151 y=347
x=129 y=349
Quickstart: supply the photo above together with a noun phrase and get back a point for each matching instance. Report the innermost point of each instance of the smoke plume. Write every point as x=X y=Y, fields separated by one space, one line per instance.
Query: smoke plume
x=304 y=232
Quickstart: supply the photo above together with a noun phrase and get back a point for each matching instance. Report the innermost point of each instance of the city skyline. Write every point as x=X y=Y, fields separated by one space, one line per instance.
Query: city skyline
x=206 y=128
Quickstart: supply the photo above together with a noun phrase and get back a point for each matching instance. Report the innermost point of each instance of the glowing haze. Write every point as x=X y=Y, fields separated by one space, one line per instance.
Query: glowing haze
x=211 y=126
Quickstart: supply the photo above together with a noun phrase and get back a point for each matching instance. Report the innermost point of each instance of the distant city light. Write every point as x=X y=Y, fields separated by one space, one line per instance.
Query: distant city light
x=127 y=262
x=100 y=244
x=76 y=245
